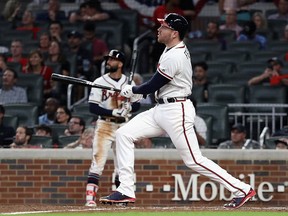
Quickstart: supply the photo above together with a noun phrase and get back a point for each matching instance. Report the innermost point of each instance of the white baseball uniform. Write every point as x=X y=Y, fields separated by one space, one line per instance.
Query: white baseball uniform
x=174 y=118
x=104 y=136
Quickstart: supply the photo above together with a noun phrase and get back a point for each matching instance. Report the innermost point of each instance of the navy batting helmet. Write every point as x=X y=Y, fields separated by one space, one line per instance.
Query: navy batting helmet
x=176 y=22
x=116 y=54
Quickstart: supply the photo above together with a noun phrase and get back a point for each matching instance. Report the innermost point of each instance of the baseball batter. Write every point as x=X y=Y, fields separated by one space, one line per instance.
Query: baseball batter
x=112 y=110
x=174 y=114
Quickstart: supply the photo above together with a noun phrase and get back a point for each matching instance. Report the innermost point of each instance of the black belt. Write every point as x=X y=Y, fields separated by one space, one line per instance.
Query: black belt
x=113 y=119
x=171 y=100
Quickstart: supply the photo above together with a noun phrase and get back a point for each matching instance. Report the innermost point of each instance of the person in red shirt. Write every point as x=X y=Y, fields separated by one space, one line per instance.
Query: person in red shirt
x=36 y=66
x=16 y=53
x=28 y=23
x=99 y=47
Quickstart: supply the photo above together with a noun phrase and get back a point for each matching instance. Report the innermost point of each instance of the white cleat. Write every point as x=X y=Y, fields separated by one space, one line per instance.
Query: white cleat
x=91 y=203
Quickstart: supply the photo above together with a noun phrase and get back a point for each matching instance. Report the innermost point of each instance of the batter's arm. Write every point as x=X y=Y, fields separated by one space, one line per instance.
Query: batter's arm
x=152 y=85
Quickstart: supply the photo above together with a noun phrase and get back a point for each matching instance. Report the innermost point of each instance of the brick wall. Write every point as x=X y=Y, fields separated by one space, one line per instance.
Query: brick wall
x=45 y=178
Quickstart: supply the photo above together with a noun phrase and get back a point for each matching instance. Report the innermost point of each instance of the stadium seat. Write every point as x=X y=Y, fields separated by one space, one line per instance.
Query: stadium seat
x=232 y=57
x=245 y=47
x=130 y=18
x=11 y=121
x=198 y=93
x=277 y=46
x=220 y=128
x=27 y=113
x=203 y=46
x=197 y=56
x=266 y=94
x=227 y=93
x=65 y=140
x=17 y=66
x=43 y=141
x=82 y=108
x=34 y=86
x=115 y=30
x=162 y=142
x=263 y=55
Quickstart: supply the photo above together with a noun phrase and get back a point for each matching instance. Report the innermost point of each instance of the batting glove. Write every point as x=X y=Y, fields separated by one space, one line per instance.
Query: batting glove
x=127 y=106
x=120 y=112
x=127 y=91
x=136 y=98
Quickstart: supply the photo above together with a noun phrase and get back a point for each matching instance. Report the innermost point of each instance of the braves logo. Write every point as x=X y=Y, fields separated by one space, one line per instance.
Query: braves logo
x=111 y=94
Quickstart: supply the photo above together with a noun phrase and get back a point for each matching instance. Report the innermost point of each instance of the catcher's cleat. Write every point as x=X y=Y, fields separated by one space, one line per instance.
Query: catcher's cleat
x=91 y=203
x=240 y=201
x=116 y=198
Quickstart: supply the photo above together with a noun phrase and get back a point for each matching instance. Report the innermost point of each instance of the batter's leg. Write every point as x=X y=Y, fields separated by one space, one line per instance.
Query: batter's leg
x=103 y=138
x=141 y=126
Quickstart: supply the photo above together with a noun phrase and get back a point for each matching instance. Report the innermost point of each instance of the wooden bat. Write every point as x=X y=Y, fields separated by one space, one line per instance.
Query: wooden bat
x=78 y=81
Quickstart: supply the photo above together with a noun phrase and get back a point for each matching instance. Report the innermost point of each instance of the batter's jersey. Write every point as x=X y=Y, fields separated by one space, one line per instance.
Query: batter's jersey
x=175 y=65
x=106 y=98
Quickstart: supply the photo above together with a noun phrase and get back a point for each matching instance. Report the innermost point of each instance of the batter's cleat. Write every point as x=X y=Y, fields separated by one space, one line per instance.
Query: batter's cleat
x=91 y=203
x=240 y=201
x=116 y=198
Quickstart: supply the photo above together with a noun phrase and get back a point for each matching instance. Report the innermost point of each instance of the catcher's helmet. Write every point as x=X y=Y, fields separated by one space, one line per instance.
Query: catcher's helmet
x=116 y=54
x=176 y=22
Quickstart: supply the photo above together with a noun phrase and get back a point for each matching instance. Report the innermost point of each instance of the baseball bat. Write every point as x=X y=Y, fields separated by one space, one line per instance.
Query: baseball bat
x=78 y=81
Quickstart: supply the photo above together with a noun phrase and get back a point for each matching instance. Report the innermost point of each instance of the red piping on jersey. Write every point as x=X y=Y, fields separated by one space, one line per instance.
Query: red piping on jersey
x=180 y=47
x=162 y=73
x=192 y=155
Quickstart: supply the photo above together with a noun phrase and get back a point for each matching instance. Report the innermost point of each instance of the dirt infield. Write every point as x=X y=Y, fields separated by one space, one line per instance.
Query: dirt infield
x=109 y=208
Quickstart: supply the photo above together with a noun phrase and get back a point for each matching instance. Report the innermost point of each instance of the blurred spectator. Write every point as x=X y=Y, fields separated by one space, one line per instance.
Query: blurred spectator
x=200 y=77
x=3 y=63
x=282 y=14
x=240 y=6
x=143 y=143
x=272 y=74
x=239 y=140
x=36 y=65
x=17 y=53
x=231 y=22
x=28 y=23
x=284 y=36
x=56 y=31
x=85 y=141
x=63 y=115
x=10 y=93
x=44 y=43
x=249 y=34
x=84 y=56
x=11 y=10
x=76 y=126
x=6 y=132
x=43 y=130
x=50 y=108
x=91 y=10
x=260 y=21
x=23 y=137
x=281 y=144
x=212 y=34
x=36 y=4
x=99 y=48
x=56 y=56
x=52 y=13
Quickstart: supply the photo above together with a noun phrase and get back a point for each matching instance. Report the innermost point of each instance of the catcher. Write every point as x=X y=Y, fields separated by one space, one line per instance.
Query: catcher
x=113 y=111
